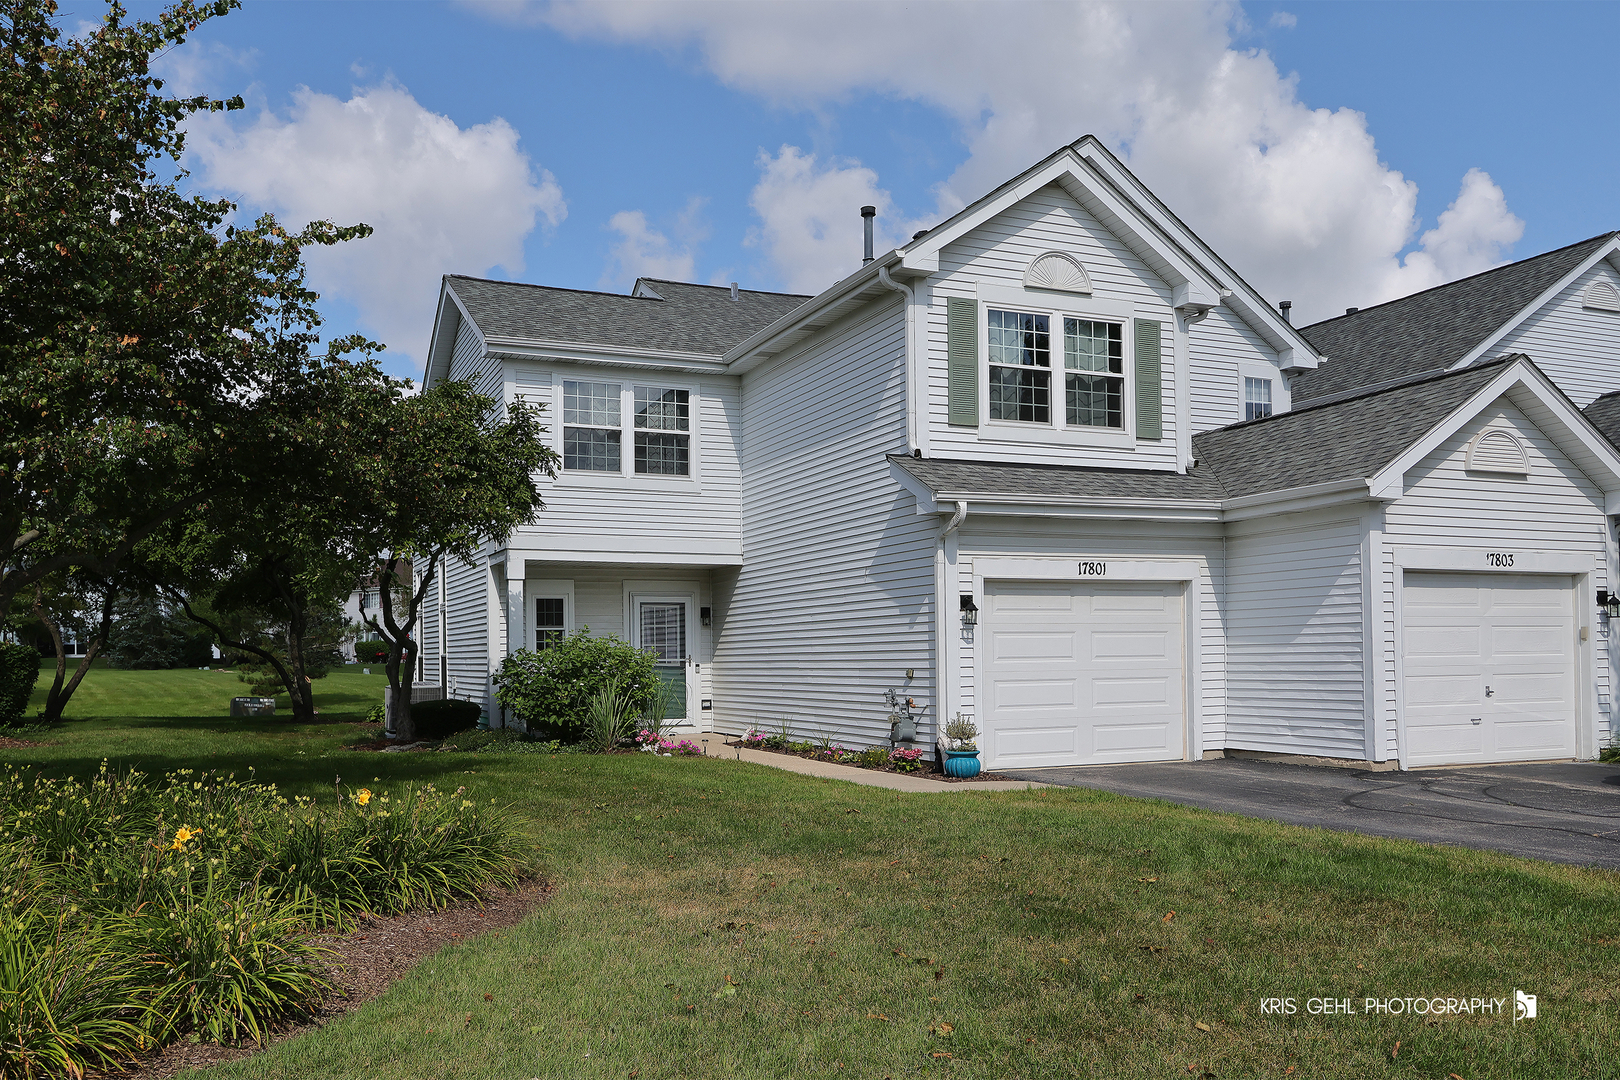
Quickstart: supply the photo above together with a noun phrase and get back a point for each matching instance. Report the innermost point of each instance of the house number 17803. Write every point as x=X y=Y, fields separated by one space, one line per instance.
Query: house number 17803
x=1498 y=558
x=1093 y=568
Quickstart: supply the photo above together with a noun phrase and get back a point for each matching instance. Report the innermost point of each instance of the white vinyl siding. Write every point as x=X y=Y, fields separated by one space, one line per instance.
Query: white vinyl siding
x=996 y=256
x=1223 y=349
x=835 y=597
x=1577 y=347
x=1295 y=636
x=1554 y=509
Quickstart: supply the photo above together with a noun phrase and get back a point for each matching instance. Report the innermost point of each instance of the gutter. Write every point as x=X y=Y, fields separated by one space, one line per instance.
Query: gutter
x=868 y=275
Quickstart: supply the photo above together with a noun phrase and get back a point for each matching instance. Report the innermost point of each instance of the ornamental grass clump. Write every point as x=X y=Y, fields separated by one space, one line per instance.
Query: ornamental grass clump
x=133 y=912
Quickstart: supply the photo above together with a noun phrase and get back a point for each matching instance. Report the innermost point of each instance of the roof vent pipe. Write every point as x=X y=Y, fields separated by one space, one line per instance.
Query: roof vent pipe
x=867 y=214
x=1286 y=307
x=734 y=290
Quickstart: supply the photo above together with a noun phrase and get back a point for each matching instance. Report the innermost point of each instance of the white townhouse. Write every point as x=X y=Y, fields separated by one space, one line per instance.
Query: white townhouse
x=1048 y=465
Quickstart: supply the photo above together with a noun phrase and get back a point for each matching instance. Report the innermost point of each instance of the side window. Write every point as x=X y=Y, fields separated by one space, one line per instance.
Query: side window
x=663 y=418
x=591 y=435
x=1020 y=366
x=1256 y=397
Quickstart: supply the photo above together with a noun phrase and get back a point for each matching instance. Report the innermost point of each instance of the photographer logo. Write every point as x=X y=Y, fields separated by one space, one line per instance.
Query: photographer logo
x=1524 y=1006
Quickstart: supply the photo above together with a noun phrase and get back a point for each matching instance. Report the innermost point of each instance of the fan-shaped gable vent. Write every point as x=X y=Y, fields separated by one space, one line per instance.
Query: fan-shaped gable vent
x=1055 y=270
x=1602 y=296
x=1498 y=452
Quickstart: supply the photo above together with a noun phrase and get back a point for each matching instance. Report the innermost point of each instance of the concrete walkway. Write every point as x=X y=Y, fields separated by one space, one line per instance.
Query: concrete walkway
x=870 y=777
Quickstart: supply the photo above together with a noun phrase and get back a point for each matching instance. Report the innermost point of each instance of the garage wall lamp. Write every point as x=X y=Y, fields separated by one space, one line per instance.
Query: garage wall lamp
x=970 y=611
x=1608 y=603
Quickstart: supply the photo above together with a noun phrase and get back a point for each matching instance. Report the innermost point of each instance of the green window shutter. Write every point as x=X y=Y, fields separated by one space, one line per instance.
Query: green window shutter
x=1149 y=385
x=962 y=358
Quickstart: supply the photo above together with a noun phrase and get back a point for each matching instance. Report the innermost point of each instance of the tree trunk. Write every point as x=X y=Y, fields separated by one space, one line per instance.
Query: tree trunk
x=298 y=683
x=53 y=706
x=56 y=701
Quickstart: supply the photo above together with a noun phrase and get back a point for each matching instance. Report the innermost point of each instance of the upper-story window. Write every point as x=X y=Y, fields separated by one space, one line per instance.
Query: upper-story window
x=591 y=435
x=660 y=425
x=1021 y=369
x=662 y=420
x=1256 y=398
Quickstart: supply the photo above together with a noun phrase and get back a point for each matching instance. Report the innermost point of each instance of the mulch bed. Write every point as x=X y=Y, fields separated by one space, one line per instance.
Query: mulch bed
x=368 y=960
x=8 y=743
x=929 y=770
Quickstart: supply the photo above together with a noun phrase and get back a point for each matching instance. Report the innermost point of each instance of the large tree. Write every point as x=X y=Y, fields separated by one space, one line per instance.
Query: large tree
x=455 y=472
x=142 y=336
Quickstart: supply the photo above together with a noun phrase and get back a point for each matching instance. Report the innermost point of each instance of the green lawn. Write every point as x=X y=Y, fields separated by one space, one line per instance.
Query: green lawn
x=715 y=919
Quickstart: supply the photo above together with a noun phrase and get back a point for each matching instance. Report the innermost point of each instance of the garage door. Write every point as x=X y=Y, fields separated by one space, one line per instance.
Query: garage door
x=1489 y=664
x=1080 y=674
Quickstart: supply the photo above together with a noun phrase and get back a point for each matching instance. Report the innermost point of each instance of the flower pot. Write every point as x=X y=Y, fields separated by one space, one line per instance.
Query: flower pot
x=962 y=764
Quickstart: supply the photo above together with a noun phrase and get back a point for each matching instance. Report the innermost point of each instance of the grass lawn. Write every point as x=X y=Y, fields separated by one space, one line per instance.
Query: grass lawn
x=714 y=918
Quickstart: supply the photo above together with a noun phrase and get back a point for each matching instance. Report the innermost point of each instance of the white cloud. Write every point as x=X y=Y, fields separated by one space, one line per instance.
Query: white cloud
x=645 y=251
x=1295 y=198
x=1283 y=20
x=442 y=199
x=811 y=229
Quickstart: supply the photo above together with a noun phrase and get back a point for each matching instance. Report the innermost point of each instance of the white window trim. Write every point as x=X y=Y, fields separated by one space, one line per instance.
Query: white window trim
x=628 y=380
x=1055 y=306
x=547 y=589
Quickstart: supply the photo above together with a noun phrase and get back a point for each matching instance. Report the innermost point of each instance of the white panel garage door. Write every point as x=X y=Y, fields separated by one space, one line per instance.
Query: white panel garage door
x=1081 y=674
x=1489 y=664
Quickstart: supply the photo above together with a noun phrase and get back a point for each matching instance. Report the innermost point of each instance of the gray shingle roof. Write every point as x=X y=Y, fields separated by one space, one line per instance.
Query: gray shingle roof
x=688 y=318
x=1348 y=439
x=1430 y=330
x=948 y=475
x=1604 y=413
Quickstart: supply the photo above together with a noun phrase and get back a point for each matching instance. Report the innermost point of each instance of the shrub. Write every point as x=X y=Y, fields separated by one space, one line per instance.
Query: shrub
x=560 y=680
x=444 y=718
x=873 y=757
x=19 y=670
x=370 y=651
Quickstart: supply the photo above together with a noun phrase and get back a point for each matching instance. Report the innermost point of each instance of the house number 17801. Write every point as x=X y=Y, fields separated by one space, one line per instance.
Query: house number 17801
x=1093 y=568
x=1498 y=558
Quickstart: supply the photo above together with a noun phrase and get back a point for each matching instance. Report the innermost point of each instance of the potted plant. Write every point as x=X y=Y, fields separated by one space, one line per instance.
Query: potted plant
x=961 y=752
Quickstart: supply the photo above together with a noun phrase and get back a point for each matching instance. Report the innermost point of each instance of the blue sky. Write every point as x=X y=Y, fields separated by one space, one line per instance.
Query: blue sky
x=1336 y=154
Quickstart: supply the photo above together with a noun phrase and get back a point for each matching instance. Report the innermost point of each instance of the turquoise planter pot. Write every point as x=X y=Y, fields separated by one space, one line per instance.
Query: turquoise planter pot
x=962 y=764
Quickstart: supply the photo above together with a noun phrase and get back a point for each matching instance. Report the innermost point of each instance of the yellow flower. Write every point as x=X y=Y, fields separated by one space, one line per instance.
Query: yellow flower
x=181 y=835
x=363 y=796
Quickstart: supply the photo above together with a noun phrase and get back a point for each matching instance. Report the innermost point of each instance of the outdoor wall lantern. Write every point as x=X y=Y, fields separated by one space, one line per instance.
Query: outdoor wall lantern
x=970 y=611
x=1608 y=603
x=707 y=615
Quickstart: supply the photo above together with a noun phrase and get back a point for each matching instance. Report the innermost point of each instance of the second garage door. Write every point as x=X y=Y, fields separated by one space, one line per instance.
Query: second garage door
x=1082 y=673
x=1489 y=666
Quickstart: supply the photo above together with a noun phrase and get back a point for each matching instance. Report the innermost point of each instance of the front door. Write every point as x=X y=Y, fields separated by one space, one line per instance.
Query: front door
x=661 y=629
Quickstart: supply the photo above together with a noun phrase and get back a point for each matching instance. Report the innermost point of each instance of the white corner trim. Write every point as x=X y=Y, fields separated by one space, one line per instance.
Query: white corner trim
x=1090 y=568
x=1499 y=560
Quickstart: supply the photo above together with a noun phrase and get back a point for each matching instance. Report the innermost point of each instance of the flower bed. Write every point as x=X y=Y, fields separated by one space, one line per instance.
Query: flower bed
x=914 y=760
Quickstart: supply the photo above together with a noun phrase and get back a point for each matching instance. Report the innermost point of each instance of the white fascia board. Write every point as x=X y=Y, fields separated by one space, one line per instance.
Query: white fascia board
x=1483 y=349
x=823 y=308
x=1548 y=408
x=447 y=322
x=598 y=558
x=1020 y=505
x=926 y=502
x=1250 y=306
x=574 y=352
x=1296 y=500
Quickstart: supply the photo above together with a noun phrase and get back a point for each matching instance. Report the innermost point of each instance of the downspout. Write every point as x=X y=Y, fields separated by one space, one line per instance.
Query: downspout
x=956 y=519
x=913 y=444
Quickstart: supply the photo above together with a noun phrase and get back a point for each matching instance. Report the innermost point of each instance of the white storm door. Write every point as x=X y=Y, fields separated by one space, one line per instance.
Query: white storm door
x=1489 y=667
x=1083 y=673
x=663 y=627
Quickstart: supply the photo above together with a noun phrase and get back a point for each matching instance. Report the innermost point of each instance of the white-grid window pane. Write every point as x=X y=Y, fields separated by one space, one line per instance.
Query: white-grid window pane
x=1020 y=338
x=1093 y=346
x=663 y=631
x=592 y=403
x=660 y=453
x=1256 y=398
x=1020 y=366
x=548 y=621
x=591 y=449
x=665 y=410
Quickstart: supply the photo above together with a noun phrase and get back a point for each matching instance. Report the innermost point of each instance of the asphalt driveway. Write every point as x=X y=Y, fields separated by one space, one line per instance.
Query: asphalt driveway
x=1566 y=812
